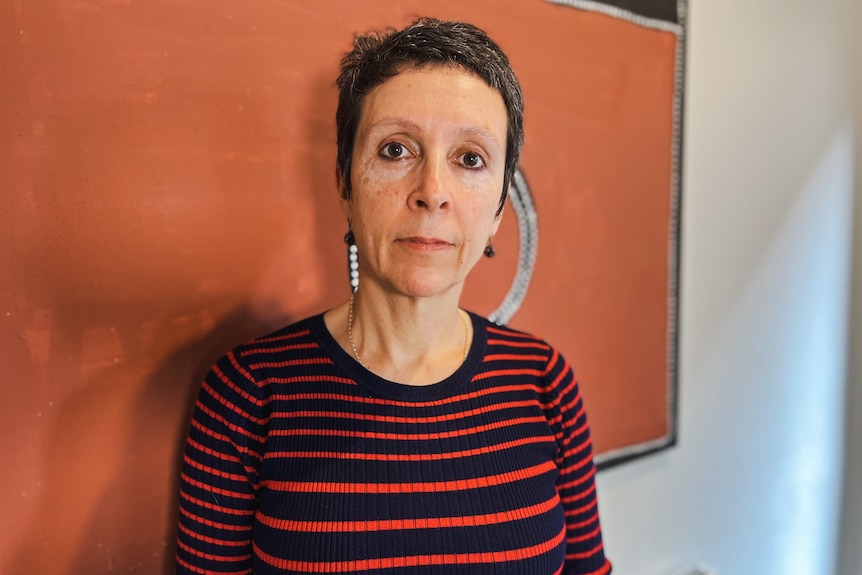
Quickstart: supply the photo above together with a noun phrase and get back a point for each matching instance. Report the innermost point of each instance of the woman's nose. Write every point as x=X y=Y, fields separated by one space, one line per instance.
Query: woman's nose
x=433 y=189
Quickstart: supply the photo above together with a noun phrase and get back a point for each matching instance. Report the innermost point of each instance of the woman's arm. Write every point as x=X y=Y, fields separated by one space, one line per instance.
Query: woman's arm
x=220 y=473
x=576 y=481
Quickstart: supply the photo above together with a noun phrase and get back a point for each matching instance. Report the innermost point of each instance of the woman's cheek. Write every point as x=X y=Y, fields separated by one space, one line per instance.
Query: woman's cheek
x=388 y=179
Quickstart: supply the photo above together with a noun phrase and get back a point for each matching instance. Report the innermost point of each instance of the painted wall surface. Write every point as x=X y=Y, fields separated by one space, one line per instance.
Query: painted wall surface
x=753 y=487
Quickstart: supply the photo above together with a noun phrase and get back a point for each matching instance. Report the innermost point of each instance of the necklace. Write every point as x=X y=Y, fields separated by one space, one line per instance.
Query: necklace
x=356 y=353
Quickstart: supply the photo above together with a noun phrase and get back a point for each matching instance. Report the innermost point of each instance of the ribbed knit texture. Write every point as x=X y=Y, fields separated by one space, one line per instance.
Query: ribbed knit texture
x=299 y=460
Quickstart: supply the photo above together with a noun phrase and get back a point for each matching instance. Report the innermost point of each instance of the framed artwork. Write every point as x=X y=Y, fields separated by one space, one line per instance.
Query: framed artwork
x=597 y=203
x=170 y=144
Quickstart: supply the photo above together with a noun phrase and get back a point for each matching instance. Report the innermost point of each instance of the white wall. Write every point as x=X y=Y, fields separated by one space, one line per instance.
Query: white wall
x=754 y=486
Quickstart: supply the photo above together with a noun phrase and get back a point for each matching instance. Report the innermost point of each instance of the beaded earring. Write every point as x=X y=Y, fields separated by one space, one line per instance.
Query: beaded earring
x=490 y=252
x=352 y=259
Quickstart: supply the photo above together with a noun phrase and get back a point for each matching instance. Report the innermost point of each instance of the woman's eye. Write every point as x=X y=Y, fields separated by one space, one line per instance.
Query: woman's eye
x=394 y=150
x=472 y=160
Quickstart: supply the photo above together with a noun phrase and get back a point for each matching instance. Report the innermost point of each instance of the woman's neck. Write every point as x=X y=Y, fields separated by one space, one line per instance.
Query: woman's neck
x=414 y=341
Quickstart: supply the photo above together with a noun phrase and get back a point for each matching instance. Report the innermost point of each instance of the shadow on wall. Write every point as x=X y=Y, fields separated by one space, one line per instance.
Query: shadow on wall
x=147 y=259
x=112 y=529
x=174 y=195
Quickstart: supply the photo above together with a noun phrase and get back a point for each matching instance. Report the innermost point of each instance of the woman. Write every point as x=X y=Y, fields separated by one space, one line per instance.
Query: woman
x=398 y=433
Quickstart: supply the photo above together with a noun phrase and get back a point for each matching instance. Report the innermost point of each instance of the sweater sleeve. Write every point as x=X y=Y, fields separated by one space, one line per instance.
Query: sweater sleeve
x=220 y=472
x=576 y=481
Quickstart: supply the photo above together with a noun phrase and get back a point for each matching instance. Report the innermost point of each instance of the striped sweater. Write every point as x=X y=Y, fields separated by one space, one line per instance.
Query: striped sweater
x=299 y=460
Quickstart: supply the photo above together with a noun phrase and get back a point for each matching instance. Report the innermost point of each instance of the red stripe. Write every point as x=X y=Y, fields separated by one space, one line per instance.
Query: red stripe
x=418 y=487
x=221 y=509
x=564 y=367
x=410 y=561
x=580 y=538
x=295 y=346
x=573 y=435
x=207 y=431
x=572 y=498
x=378 y=401
x=565 y=374
x=231 y=385
x=402 y=524
x=585 y=462
x=230 y=404
x=515 y=337
x=191 y=567
x=594 y=551
x=403 y=419
x=574 y=403
x=518 y=344
x=404 y=457
x=211 y=557
x=558 y=420
x=214 y=472
x=586 y=444
x=476 y=430
x=283 y=337
x=232 y=426
x=310 y=378
x=491 y=390
x=233 y=361
x=507 y=373
x=293 y=362
x=215 y=490
x=212 y=452
x=592 y=520
x=514 y=357
x=509 y=333
x=581 y=432
x=211 y=523
x=213 y=540
x=586 y=477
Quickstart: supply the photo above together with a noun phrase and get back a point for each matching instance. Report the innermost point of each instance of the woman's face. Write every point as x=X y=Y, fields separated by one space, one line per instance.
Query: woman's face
x=427 y=175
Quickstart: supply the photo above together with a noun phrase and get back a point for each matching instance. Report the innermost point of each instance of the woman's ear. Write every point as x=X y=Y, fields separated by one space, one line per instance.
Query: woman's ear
x=498 y=217
x=340 y=185
x=343 y=193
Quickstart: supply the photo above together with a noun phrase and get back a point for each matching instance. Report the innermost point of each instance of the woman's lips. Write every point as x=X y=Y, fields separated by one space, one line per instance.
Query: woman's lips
x=424 y=244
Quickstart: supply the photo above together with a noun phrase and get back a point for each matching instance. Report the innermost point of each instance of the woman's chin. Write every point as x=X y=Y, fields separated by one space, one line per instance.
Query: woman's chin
x=425 y=284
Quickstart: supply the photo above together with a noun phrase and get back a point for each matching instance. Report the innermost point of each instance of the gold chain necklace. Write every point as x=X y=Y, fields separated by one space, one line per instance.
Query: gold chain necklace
x=356 y=353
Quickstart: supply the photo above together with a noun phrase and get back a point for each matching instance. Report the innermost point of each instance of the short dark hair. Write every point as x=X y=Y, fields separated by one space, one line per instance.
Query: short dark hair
x=379 y=56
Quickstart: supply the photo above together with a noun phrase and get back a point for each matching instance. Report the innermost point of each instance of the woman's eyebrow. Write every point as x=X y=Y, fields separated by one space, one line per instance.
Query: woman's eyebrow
x=409 y=125
x=386 y=123
x=481 y=133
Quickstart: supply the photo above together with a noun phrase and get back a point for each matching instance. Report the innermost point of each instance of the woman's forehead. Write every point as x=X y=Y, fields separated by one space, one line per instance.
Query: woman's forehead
x=435 y=97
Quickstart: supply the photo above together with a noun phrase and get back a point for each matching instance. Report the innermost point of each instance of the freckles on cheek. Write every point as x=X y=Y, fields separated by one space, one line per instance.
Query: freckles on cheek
x=376 y=191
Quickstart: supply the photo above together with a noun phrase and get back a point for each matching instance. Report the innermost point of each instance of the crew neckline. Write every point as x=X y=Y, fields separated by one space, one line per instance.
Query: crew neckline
x=400 y=391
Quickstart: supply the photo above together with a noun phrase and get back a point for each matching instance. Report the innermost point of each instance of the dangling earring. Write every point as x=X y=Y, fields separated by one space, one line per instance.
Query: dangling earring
x=352 y=259
x=490 y=252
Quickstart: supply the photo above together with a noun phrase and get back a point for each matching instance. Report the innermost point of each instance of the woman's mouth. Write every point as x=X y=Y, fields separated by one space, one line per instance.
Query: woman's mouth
x=425 y=244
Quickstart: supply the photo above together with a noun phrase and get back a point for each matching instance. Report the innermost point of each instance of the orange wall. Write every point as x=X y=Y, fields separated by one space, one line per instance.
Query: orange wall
x=168 y=192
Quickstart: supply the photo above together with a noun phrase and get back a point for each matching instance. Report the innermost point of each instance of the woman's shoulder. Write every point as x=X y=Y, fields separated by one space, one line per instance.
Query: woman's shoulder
x=506 y=336
x=298 y=337
x=298 y=330
x=510 y=348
